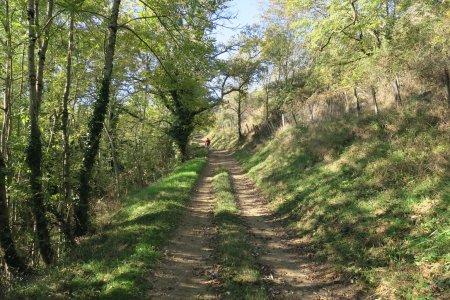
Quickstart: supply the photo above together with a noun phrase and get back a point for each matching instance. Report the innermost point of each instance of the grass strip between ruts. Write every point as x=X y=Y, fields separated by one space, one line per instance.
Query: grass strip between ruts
x=115 y=262
x=239 y=273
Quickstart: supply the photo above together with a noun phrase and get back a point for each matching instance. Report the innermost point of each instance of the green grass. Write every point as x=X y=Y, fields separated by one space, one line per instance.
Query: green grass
x=239 y=271
x=225 y=139
x=370 y=194
x=115 y=263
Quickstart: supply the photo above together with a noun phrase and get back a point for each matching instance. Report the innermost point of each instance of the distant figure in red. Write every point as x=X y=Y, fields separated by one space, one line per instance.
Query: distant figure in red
x=207 y=142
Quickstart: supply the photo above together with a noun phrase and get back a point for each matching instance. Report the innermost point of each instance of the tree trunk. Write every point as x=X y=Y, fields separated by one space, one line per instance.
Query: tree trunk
x=347 y=103
x=182 y=141
x=267 y=103
x=183 y=125
x=82 y=221
x=271 y=127
x=396 y=88
x=12 y=258
x=239 y=116
x=34 y=150
x=358 y=107
x=140 y=140
x=447 y=83
x=42 y=52
x=293 y=117
x=67 y=188
x=65 y=225
x=115 y=164
x=22 y=78
x=330 y=107
x=311 y=111
x=7 y=97
x=374 y=99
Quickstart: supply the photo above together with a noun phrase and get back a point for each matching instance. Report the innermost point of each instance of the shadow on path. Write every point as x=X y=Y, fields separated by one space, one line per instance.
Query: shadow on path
x=181 y=273
x=292 y=273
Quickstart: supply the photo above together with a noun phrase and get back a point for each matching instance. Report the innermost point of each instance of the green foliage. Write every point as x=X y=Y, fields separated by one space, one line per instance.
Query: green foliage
x=369 y=194
x=181 y=63
x=238 y=267
x=135 y=148
x=336 y=45
x=115 y=262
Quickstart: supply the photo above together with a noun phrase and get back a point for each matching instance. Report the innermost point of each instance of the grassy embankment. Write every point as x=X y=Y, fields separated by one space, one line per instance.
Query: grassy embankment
x=115 y=262
x=239 y=272
x=224 y=140
x=370 y=194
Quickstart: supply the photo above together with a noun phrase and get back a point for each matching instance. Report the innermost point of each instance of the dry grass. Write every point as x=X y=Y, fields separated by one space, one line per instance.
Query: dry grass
x=371 y=194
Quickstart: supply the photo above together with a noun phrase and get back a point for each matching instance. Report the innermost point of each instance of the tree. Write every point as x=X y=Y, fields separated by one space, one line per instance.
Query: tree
x=67 y=187
x=55 y=110
x=82 y=221
x=34 y=150
x=183 y=64
x=243 y=69
x=14 y=261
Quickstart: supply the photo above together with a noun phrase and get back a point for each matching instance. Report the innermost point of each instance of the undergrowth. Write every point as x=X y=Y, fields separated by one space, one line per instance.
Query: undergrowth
x=115 y=262
x=239 y=272
x=371 y=194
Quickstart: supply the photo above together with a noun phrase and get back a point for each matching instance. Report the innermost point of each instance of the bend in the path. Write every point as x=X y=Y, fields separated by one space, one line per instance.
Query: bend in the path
x=293 y=274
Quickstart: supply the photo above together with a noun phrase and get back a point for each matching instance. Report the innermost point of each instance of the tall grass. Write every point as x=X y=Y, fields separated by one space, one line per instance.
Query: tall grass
x=226 y=139
x=370 y=194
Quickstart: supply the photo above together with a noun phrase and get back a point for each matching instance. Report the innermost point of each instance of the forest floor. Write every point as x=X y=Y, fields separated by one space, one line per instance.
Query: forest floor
x=289 y=268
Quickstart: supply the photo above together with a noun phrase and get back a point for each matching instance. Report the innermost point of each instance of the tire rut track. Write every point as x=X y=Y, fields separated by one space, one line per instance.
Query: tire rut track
x=181 y=273
x=291 y=273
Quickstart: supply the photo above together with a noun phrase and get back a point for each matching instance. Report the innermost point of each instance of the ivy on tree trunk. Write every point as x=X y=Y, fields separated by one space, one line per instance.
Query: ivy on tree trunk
x=82 y=221
x=34 y=149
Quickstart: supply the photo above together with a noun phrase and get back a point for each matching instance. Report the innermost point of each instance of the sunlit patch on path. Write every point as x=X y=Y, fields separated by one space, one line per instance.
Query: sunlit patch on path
x=181 y=274
x=289 y=271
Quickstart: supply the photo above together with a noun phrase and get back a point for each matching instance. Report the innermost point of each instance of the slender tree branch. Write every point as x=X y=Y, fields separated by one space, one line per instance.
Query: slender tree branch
x=162 y=22
x=150 y=48
x=94 y=13
x=140 y=18
x=354 y=20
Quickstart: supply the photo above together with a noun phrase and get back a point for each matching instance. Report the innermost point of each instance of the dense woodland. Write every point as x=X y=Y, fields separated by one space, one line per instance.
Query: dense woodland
x=103 y=97
x=99 y=97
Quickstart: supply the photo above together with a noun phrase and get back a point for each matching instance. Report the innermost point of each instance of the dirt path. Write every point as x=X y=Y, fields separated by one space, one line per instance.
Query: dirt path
x=181 y=273
x=291 y=273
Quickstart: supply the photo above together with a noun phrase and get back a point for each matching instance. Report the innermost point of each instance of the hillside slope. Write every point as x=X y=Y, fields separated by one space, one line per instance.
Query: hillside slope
x=115 y=262
x=371 y=195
